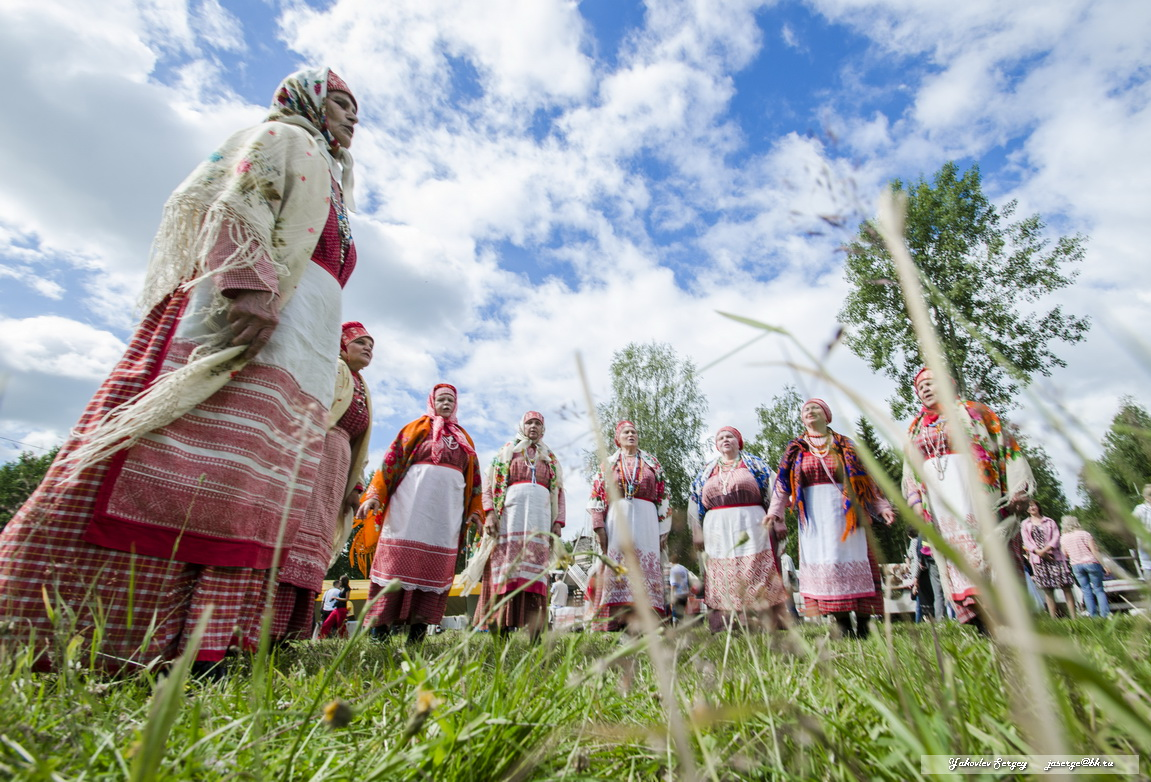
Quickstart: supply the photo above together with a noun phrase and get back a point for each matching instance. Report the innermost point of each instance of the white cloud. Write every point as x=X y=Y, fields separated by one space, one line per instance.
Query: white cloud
x=58 y=346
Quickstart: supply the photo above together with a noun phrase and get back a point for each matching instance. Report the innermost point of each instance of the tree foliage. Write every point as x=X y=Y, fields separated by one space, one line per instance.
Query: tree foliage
x=779 y=424
x=892 y=540
x=1048 y=488
x=987 y=269
x=19 y=478
x=1125 y=464
x=655 y=389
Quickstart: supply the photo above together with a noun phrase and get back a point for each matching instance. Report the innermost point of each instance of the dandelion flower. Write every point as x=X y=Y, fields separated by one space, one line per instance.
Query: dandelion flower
x=338 y=714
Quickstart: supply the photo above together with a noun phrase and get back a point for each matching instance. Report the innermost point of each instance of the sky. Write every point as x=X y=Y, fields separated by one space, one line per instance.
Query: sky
x=541 y=179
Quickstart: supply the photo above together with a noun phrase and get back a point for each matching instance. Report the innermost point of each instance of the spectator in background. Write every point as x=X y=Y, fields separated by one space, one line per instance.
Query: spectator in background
x=1143 y=513
x=1049 y=566
x=680 y=582
x=1086 y=565
x=559 y=596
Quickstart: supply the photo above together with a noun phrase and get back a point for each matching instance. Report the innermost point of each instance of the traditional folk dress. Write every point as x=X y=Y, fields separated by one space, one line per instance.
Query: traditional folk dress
x=527 y=497
x=726 y=508
x=428 y=485
x=942 y=487
x=1052 y=572
x=833 y=496
x=327 y=523
x=191 y=463
x=642 y=514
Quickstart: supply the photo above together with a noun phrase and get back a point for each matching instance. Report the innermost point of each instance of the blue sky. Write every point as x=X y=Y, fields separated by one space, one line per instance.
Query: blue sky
x=541 y=177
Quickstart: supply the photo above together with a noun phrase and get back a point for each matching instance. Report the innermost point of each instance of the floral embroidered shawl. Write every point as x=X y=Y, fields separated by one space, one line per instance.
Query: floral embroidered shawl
x=599 y=498
x=1003 y=469
x=497 y=477
x=859 y=488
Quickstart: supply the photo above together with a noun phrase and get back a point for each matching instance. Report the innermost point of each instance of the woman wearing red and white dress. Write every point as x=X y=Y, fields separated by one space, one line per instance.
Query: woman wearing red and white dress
x=822 y=477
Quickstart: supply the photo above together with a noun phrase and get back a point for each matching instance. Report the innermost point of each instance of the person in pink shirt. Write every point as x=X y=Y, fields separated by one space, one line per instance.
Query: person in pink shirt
x=1049 y=567
x=1086 y=565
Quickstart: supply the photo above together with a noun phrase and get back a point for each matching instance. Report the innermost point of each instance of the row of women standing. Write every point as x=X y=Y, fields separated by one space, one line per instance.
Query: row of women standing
x=737 y=509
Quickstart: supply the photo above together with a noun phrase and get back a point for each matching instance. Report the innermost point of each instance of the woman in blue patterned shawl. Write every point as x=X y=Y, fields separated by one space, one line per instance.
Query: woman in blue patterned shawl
x=727 y=508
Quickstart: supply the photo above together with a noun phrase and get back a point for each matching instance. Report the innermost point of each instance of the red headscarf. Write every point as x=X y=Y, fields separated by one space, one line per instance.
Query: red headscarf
x=733 y=430
x=619 y=426
x=352 y=330
x=822 y=404
x=335 y=83
x=442 y=427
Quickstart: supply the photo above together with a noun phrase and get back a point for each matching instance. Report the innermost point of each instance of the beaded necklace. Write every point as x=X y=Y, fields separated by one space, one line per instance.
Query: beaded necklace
x=629 y=485
x=342 y=223
x=938 y=446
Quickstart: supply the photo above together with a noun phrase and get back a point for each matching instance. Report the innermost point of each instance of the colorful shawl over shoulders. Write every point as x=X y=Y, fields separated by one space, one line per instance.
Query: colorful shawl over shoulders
x=1003 y=469
x=755 y=464
x=859 y=488
x=599 y=500
x=387 y=479
x=501 y=468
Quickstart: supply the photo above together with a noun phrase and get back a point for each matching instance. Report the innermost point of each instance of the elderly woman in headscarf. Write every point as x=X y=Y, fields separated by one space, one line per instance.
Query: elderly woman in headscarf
x=822 y=477
x=940 y=492
x=727 y=511
x=641 y=516
x=523 y=502
x=336 y=495
x=197 y=457
x=428 y=487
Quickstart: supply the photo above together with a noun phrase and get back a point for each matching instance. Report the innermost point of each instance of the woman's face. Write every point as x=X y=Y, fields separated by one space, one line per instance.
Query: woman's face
x=813 y=417
x=1033 y=508
x=726 y=443
x=926 y=390
x=534 y=428
x=444 y=402
x=628 y=437
x=340 y=110
x=358 y=353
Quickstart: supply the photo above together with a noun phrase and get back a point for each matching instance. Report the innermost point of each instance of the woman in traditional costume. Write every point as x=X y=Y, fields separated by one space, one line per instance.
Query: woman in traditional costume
x=939 y=492
x=336 y=494
x=195 y=461
x=1049 y=567
x=727 y=511
x=428 y=487
x=641 y=516
x=523 y=501
x=822 y=477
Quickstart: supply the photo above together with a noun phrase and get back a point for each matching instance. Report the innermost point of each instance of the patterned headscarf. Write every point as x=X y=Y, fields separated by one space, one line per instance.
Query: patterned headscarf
x=733 y=430
x=352 y=330
x=445 y=427
x=522 y=435
x=299 y=100
x=619 y=426
x=822 y=404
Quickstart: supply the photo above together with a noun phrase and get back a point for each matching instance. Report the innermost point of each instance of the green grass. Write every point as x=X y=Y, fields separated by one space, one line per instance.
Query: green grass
x=581 y=706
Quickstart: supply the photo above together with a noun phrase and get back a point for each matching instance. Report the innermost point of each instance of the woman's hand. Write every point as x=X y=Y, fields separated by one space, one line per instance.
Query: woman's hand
x=601 y=536
x=490 y=525
x=888 y=516
x=366 y=507
x=776 y=524
x=252 y=317
x=473 y=519
x=557 y=529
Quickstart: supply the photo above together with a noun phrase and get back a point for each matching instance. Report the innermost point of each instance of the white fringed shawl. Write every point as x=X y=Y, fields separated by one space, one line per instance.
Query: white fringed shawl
x=269 y=186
